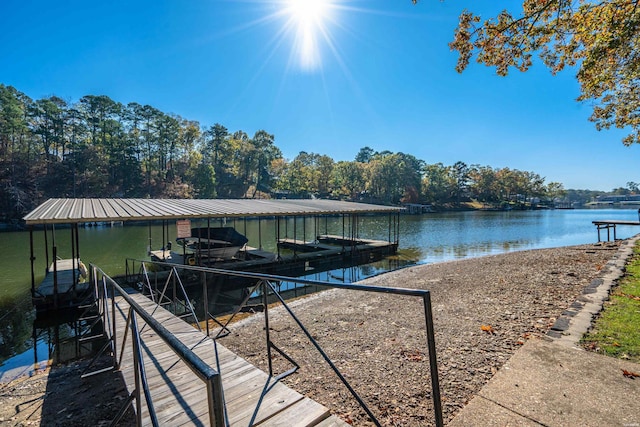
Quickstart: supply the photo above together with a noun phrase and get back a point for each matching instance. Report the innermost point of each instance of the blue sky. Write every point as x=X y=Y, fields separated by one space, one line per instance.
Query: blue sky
x=382 y=76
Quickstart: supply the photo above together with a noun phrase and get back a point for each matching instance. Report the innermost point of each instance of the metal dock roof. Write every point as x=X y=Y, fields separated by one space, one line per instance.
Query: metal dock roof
x=67 y=211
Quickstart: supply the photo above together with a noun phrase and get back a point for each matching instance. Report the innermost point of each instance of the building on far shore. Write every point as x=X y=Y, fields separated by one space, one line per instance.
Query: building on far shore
x=624 y=199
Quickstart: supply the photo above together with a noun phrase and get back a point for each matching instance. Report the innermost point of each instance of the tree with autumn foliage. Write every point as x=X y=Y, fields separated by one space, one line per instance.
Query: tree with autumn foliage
x=600 y=39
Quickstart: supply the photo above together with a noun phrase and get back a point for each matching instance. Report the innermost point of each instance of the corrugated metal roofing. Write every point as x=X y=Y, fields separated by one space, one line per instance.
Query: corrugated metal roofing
x=67 y=211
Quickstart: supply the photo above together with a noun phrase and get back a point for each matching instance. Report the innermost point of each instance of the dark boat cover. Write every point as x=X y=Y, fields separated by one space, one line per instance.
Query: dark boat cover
x=227 y=234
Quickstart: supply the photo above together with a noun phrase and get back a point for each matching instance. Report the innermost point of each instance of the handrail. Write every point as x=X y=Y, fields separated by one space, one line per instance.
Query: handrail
x=202 y=370
x=264 y=281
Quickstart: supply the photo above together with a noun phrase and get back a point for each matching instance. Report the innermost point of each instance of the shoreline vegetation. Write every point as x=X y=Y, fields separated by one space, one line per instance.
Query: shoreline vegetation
x=51 y=147
x=484 y=310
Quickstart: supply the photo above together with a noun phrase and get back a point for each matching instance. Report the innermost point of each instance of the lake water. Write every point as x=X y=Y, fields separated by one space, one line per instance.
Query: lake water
x=423 y=239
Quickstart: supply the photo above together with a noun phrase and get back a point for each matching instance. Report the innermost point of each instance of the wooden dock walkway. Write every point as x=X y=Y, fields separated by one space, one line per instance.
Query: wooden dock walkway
x=611 y=224
x=180 y=398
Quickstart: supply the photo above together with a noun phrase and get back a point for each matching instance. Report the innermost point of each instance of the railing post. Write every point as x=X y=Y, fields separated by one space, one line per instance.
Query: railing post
x=136 y=369
x=215 y=401
x=205 y=300
x=113 y=320
x=139 y=370
x=265 y=301
x=433 y=361
x=175 y=297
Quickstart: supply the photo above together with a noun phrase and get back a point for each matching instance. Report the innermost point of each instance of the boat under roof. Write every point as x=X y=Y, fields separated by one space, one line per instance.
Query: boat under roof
x=71 y=211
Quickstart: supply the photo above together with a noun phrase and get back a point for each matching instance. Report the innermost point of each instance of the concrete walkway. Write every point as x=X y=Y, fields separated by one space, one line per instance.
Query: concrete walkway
x=554 y=382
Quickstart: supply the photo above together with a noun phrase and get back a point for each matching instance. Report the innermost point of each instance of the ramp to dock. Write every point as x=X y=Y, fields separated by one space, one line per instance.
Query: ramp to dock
x=179 y=398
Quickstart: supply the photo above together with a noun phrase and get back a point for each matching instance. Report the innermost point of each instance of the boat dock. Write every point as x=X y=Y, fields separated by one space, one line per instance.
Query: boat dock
x=611 y=225
x=327 y=252
x=251 y=397
x=62 y=287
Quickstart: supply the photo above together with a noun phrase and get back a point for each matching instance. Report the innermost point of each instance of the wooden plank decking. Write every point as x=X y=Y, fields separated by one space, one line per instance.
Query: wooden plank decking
x=57 y=289
x=65 y=275
x=180 y=398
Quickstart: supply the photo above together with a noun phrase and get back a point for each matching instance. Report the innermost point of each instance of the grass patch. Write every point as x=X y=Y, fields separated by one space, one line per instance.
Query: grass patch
x=617 y=331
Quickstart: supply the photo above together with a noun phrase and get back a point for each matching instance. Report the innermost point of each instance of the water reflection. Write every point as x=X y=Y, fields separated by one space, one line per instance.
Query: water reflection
x=457 y=235
x=16 y=325
x=38 y=343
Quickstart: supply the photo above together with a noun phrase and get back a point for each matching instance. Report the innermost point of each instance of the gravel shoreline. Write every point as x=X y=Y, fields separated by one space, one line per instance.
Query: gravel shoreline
x=484 y=310
x=377 y=341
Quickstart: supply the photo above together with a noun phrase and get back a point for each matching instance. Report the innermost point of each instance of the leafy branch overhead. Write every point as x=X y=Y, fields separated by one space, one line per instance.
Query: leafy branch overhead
x=601 y=39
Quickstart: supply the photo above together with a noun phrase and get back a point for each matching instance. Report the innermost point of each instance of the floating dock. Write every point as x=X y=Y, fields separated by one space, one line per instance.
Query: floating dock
x=327 y=252
x=63 y=286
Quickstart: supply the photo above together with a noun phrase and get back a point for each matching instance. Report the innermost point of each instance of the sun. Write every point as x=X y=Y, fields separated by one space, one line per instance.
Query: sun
x=308 y=21
x=307 y=11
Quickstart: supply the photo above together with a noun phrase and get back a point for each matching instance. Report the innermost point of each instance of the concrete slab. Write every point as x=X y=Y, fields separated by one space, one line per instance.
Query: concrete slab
x=546 y=383
x=481 y=412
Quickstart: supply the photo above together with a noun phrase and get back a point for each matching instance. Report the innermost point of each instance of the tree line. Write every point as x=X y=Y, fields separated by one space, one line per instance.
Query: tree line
x=98 y=147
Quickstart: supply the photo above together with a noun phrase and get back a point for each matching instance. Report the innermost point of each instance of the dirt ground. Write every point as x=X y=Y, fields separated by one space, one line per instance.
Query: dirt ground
x=484 y=309
x=58 y=396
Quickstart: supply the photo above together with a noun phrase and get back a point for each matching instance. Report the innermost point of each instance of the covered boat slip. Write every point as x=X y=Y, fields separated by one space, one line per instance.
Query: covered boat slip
x=302 y=252
x=70 y=211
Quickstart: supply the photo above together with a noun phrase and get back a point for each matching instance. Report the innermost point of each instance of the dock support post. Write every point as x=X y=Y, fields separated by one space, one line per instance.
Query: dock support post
x=149 y=225
x=77 y=240
x=304 y=230
x=74 y=262
x=32 y=259
x=295 y=223
x=209 y=240
x=205 y=298
x=55 y=277
x=164 y=243
x=46 y=250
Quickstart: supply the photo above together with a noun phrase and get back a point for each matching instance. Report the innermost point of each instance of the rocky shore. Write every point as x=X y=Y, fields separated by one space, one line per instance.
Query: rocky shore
x=484 y=310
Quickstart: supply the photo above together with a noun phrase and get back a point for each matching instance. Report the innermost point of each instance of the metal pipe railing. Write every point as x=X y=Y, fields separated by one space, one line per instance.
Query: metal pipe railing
x=202 y=370
x=264 y=281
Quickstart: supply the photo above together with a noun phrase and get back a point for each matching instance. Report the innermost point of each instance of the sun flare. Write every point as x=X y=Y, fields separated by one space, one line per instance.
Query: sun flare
x=308 y=19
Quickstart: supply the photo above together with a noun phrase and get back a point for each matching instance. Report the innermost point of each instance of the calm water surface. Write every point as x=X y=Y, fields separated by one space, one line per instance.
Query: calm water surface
x=456 y=235
x=423 y=239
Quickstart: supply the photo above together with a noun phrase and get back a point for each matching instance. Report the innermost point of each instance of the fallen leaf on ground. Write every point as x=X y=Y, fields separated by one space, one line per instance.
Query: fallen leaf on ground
x=630 y=374
x=632 y=297
x=412 y=356
x=488 y=329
